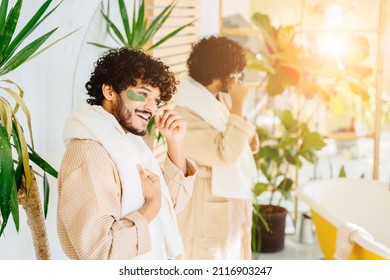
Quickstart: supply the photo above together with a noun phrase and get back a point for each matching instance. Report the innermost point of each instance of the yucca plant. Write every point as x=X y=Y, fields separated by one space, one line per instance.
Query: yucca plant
x=17 y=179
x=138 y=32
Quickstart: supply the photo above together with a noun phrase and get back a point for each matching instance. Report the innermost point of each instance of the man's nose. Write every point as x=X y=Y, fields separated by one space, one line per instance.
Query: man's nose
x=150 y=104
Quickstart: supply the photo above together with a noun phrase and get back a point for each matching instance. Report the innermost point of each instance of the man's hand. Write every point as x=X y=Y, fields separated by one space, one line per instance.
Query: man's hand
x=171 y=125
x=239 y=93
x=151 y=190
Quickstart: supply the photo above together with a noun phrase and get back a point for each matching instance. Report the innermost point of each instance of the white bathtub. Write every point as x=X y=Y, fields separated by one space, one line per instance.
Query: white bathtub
x=363 y=202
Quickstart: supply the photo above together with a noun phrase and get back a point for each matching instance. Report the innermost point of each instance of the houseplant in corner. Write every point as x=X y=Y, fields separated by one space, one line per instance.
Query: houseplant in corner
x=18 y=184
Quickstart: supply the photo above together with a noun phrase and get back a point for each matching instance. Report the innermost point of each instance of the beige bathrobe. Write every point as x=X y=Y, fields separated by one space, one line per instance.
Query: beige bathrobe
x=100 y=192
x=215 y=227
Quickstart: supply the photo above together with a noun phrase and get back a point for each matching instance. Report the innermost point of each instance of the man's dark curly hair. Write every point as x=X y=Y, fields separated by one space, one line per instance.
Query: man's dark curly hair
x=215 y=58
x=120 y=68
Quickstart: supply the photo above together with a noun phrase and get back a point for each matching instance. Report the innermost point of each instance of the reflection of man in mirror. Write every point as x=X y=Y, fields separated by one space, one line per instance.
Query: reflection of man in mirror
x=114 y=201
x=216 y=223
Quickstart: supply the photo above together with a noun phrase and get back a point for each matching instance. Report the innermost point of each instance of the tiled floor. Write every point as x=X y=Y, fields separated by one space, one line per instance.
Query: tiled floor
x=293 y=250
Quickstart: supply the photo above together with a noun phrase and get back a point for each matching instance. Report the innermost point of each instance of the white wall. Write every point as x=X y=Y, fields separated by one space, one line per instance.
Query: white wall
x=53 y=85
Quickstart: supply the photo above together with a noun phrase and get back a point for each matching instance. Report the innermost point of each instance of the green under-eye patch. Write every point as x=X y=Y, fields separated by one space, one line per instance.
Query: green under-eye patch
x=134 y=96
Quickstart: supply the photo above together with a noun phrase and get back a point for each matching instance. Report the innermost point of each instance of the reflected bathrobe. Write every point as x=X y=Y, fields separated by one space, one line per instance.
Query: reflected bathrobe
x=215 y=227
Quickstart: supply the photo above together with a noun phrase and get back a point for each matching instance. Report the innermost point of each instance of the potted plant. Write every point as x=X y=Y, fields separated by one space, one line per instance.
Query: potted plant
x=304 y=79
x=288 y=70
x=18 y=185
x=280 y=154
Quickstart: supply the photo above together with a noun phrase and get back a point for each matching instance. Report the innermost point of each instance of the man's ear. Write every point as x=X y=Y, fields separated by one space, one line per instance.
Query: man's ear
x=108 y=92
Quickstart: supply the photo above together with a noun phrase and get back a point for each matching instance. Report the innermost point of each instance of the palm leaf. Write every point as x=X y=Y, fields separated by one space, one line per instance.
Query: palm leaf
x=14 y=204
x=38 y=160
x=25 y=155
x=31 y=25
x=100 y=45
x=6 y=115
x=50 y=45
x=21 y=93
x=170 y=35
x=25 y=53
x=139 y=25
x=6 y=175
x=125 y=18
x=19 y=100
x=3 y=13
x=46 y=194
x=8 y=31
x=19 y=167
x=157 y=23
x=114 y=28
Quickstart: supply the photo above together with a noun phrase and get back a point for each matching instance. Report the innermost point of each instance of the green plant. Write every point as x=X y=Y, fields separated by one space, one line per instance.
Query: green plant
x=288 y=69
x=17 y=180
x=302 y=72
x=278 y=157
x=139 y=32
x=279 y=154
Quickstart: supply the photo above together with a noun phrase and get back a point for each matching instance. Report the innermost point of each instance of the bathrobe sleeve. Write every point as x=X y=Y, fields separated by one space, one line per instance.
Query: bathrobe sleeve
x=180 y=186
x=208 y=146
x=89 y=208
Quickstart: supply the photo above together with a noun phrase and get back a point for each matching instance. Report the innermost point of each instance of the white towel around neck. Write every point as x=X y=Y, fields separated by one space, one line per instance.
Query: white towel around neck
x=127 y=150
x=232 y=181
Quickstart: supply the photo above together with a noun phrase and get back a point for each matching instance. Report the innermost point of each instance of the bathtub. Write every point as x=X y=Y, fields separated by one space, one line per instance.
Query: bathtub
x=361 y=202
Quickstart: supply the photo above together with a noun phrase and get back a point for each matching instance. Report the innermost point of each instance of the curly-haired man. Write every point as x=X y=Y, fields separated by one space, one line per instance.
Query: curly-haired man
x=216 y=223
x=113 y=199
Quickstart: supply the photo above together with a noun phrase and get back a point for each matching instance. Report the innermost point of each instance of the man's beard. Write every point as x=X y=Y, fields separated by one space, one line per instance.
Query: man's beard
x=122 y=114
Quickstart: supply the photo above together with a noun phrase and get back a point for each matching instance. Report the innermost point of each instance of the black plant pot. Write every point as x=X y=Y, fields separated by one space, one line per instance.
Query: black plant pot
x=272 y=240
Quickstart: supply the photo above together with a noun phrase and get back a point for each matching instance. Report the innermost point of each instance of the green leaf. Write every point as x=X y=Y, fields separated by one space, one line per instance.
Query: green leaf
x=6 y=115
x=170 y=35
x=51 y=44
x=157 y=23
x=6 y=175
x=46 y=194
x=31 y=25
x=285 y=185
x=100 y=45
x=267 y=31
x=3 y=13
x=38 y=160
x=125 y=18
x=288 y=121
x=25 y=53
x=139 y=24
x=115 y=29
x=313 y=141
x=20 y=102
x=24 y=153
x=14 y=204
x=285 y=37
x=274 y=86
x=150 y=125
x=7 y=32
x=18 y=149
x=259 y=188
